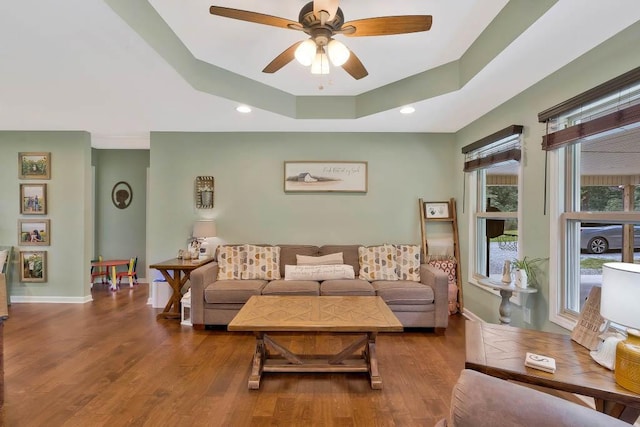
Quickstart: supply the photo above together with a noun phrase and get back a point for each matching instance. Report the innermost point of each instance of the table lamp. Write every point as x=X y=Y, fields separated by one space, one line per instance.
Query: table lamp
x=620 y=303
x=201 y=231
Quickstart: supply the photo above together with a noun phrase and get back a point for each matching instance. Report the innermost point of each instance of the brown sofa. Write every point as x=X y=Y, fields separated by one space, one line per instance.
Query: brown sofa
x=415 y=304
x=479 y=400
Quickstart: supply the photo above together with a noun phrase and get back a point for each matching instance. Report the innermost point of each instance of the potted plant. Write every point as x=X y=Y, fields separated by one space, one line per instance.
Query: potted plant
x=525 y=271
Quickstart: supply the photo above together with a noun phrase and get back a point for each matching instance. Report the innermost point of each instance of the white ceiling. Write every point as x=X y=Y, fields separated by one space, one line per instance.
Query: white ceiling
x=77 y=65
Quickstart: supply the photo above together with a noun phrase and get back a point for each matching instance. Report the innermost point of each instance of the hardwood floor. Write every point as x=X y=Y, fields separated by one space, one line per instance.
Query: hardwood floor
x=110 y=362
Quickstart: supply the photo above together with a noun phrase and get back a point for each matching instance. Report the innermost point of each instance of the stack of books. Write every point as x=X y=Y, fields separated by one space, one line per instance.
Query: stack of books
x=543 y=363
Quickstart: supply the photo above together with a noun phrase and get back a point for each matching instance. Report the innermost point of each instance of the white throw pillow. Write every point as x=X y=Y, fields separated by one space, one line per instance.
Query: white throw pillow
x=318 y=272
x=320 y=260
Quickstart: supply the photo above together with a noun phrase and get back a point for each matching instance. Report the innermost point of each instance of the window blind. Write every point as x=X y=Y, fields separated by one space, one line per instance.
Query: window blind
x=499 y=147
x=612 y=105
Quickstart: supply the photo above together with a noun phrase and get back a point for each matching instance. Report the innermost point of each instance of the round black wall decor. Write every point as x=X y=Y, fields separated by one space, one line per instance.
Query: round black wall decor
x=121 y=195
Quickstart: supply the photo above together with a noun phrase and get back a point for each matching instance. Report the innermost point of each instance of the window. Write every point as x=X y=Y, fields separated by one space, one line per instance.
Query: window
x=595 y=191
x=493 y=164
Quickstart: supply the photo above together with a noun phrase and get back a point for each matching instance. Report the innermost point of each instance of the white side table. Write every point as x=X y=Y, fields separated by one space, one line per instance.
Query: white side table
x=506 y=291
x=185 y=310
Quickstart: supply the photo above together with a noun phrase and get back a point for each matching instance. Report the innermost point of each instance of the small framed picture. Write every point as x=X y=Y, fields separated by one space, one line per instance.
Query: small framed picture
x=435 y=210
x=36 y=232
x=33 y=199
x=34 y=165
x=33 y=266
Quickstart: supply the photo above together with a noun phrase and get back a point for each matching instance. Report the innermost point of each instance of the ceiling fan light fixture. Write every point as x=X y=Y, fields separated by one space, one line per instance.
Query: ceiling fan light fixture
x=320 y=64
x=306 y=52
x=338 y=52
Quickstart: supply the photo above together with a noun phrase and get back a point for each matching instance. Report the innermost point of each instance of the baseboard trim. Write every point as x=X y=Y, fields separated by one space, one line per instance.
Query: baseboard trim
x=471 y=316
x=19 y=299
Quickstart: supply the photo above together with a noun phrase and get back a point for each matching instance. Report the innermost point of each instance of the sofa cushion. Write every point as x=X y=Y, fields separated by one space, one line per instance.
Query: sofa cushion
x=230 y=261
x=403 y=292
x=232 y=291
x=340 y=287
x=331 y=259
x=288 y=253
x=262 y=262
x=408 y=262
x=349 y=254
x=318 y=272
x=292 y=287
x=377 y=262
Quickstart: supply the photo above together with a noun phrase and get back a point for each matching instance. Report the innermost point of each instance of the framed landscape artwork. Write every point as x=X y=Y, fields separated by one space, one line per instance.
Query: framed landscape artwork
x=33 y=266
x=35 y=232
x=33 y=199
x=336 y=176
x=34 y=165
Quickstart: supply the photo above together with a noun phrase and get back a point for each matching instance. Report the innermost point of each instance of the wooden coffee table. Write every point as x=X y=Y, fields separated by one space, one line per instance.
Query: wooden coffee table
x=499 y=351
x=311 y=314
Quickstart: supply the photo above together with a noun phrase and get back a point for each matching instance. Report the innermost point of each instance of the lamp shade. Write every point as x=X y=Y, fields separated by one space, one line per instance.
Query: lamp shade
x=338 y=53
x=204 y=229
x=305 y=52
x=621 y=293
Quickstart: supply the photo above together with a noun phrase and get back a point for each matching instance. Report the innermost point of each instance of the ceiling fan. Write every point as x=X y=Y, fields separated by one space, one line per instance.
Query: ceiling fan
x=321 y=20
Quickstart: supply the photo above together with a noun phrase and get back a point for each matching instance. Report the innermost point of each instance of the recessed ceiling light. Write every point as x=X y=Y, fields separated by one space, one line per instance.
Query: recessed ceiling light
x=407 y=109
x=243 y=109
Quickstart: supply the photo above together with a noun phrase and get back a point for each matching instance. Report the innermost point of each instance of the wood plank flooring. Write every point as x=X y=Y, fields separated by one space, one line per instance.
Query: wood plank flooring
x=111 y=363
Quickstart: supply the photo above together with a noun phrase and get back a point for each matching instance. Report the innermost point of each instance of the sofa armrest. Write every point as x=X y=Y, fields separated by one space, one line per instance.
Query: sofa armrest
x=200 y=278
x=439 y=282
x=479 y=400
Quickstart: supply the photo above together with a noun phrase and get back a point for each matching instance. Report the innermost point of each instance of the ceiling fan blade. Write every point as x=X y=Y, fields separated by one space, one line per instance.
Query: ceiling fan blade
x=283 y=59
x=258 y=18
x=354 y=67
x=387 y=25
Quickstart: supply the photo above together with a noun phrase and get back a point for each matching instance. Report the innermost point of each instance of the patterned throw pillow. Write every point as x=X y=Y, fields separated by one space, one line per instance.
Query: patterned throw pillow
x=377 y=262
x=408 y=262
x=230 y=262
x=262 y=262
x=449 y=267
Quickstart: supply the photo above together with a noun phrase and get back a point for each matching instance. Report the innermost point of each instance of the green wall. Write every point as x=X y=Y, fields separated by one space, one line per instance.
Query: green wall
x=121 y=233
x=69 y=195
x=605 y=62
x=250 y=203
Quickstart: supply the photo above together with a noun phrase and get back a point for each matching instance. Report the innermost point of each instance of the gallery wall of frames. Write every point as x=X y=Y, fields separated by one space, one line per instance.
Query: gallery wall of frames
x=34 y=228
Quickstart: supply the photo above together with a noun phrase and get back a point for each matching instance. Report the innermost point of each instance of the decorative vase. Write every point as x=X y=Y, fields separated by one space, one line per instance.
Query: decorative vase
x=521 y=278
x=506 y=272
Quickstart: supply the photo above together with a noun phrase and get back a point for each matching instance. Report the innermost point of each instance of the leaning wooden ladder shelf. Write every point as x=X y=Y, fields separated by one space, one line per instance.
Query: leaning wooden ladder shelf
x=450 y=216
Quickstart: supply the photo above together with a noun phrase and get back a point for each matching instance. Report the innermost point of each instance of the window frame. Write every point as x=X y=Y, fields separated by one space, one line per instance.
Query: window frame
x=565 y=178
x=477 y=182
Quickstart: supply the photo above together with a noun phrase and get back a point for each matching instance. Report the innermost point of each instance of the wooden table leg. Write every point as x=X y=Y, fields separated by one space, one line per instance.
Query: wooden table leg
x=372 y=361
x=258 y=362
x=617 y=410
x=172 y=309
x=113 y=286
